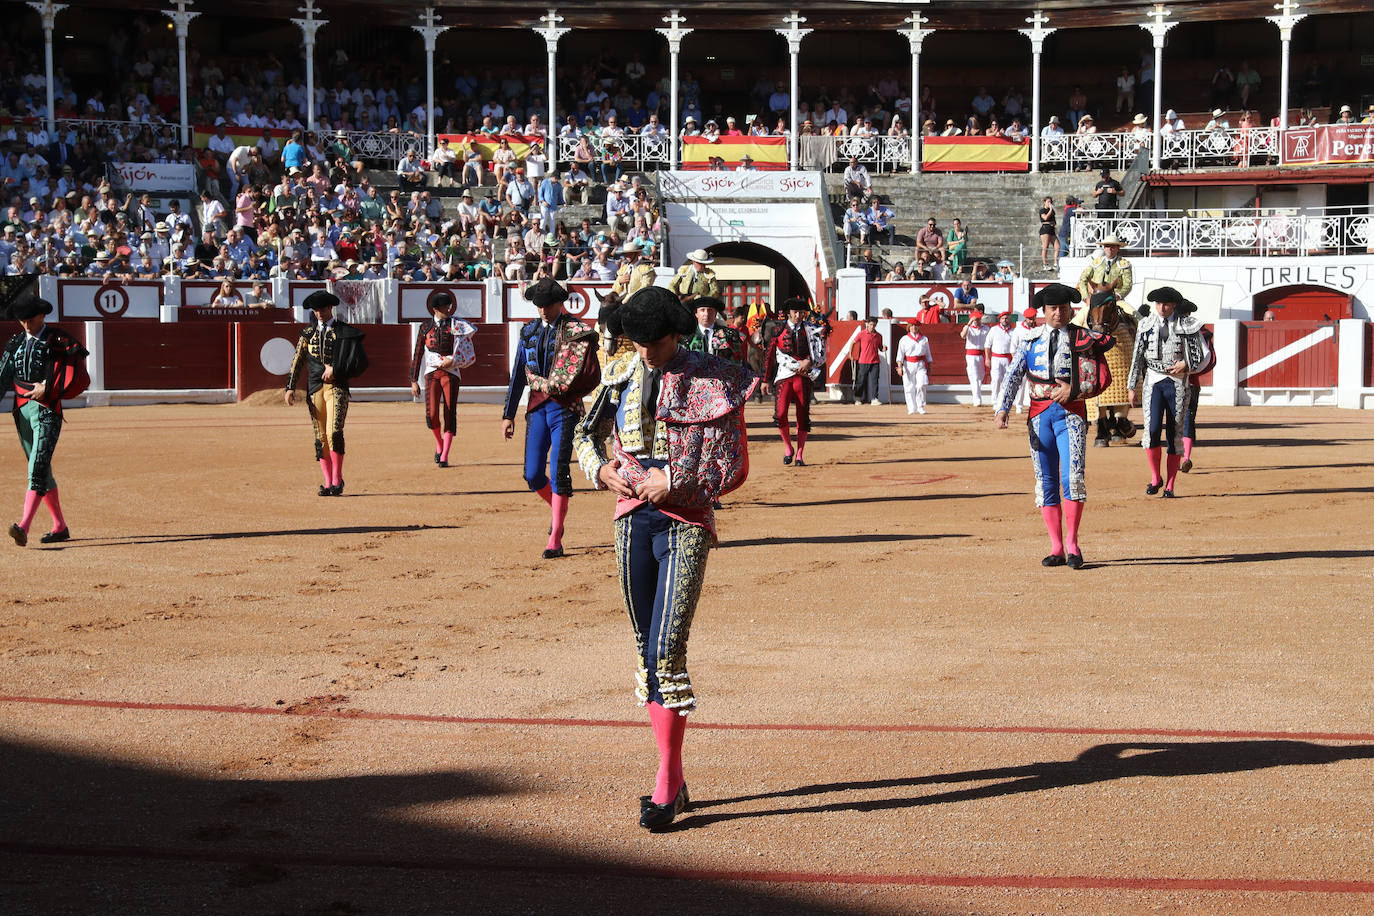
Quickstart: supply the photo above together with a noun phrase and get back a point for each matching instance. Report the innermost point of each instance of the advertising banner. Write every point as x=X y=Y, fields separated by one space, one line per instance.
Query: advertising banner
x=1330 y=144
x=158 y=176
x=724 y=185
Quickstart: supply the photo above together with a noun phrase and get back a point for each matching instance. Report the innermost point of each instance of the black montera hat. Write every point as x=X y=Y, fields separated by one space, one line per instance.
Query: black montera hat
x=546 y=292
x=1186 y=307
x=28 y=306
x=653 y=313
x=1056 y=294
x=440 y=302
x=796 y=303
x=1165 y=294
x=708 y=302
x=320 y=299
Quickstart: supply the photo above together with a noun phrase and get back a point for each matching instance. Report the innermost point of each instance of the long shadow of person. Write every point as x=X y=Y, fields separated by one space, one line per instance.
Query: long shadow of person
x=1102 y=763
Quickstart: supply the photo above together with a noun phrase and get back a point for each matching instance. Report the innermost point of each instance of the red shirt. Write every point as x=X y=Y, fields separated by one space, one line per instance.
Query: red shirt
x=869 y=343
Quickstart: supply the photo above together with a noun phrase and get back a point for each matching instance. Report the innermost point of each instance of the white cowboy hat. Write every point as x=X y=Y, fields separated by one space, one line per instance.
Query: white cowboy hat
x=700 y=256
x=630 y=247
x=1112 y=240
x=1139 y=119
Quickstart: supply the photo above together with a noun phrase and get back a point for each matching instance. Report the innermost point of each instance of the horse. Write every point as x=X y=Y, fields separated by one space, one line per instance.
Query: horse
x=1104 y=313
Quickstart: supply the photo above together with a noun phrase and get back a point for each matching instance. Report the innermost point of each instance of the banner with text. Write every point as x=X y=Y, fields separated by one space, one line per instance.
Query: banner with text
x=1331 y=144
x=974 y=154
x=767 y=153
x=724 y=185
x=158 y=176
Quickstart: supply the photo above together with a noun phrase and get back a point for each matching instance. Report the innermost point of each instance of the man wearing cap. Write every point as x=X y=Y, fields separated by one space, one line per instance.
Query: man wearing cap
x=520 y=192
x=695 y=278
x=41 y=365
x=1168 y=348
x=666 y=435
x=999 y=347
x=975 y=335
x=550 y=358
x=443 y=346
x=1107 y=192
x=914 y=359
x=330 y=355
x=795 y=361
x=1052 y=358
x=634 y=274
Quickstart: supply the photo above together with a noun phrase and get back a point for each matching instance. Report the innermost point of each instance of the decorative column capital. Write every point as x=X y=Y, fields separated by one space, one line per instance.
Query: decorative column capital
x=794 y=33
x=429 y=28
x=916 y=33
x=1157 y=26
x=1037 y=33
x=47 y=11
x=309 y=25
x=1287 y=18
x=550 y=30
x=181 y=16
x=675 y=32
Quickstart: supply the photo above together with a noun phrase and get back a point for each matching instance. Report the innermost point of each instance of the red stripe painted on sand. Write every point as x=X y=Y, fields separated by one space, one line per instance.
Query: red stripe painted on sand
x=760 y=876
x=343 y=713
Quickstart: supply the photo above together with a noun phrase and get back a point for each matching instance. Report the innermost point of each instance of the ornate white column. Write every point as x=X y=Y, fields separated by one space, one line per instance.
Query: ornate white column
x=551 y=33
x=916 y=35
x=47 y=10
x=182 y=17
x=1037 y=34
x=309 y=26
x=429 y=30
x=1287 y=18
x=794 y=34
x=674 y=33
x=1158 y=28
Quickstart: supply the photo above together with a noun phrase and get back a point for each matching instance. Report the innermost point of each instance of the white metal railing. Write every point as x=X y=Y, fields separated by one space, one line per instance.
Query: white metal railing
x=1264 y=232
x=1179 y=149
x=631 y=151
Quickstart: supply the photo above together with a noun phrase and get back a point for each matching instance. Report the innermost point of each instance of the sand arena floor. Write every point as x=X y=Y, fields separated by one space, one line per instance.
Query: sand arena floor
x=228 y=695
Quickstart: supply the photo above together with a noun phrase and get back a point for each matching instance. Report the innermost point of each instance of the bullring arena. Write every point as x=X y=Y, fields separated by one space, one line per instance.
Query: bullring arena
x=228 y=695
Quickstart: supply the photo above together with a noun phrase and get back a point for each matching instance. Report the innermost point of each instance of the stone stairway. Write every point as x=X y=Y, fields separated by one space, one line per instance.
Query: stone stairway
x=1000 y=211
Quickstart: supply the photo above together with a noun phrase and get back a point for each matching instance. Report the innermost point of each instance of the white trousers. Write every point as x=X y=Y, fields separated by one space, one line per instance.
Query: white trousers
x=914 y=382
x=1000 y=365
x=975 y=378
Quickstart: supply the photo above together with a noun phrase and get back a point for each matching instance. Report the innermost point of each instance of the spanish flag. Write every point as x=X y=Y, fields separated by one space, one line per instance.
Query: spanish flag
x=974 y=154
x=487 y=146
x=769 y=154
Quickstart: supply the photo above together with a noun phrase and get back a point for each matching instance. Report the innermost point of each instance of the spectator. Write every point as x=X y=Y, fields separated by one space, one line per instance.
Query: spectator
x=855 y=225
x=227 y=296
x=966 y=294
x=880 y=218
x=441 y=160
x=1107 y=192
x=897 y=273
x=931 y=242
x=520 y=192
x=956 y=243
x=1078 y=107
x=857 y=182
x=410 y=171
x=1223 y=86
x=1053 y=128
x=872 y=268
x=1125 y=91
x=293 y=155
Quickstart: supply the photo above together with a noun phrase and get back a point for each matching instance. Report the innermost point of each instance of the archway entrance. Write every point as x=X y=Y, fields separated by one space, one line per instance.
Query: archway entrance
x=1303 y=303
x=749 y=273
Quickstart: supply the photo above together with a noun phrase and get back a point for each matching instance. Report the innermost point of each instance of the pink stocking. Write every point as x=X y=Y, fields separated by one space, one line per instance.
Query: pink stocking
x=1152 y=457
x=786 y=431
x=336 y=468
x=1052 y=516
x=327 y=467
x=669 y=730
x=438 y=440
x=55 y=509
x=1187 y=448
x=545 y=493
x=1073 y=516
x=31 y=501
x=1174 y=462
x=559 y=504
x=445 y=444
x=801 y=441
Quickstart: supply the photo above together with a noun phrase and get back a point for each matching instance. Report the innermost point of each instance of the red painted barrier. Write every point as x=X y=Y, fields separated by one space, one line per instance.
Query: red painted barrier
x=946 y=353
x=262 y=356
x=148 y=354
x=492 y=368
x=1288 y=354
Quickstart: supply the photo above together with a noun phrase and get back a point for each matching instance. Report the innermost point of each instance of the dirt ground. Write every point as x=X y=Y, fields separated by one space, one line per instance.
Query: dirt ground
x=228 y=695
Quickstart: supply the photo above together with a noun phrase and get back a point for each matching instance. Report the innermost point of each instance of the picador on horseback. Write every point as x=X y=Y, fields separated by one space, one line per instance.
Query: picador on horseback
x=1104 y=285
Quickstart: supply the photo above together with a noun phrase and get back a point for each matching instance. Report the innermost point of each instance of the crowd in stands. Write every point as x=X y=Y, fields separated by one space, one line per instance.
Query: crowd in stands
x=303 y=206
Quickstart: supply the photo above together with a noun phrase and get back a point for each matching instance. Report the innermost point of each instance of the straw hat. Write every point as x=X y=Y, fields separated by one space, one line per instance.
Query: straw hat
x=1112 y=240
x=1139 y=119
x=700 y=256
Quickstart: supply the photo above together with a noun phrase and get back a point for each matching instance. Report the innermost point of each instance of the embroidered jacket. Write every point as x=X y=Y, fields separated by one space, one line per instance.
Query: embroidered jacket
x=55 y=358
x=690 y=283
x=339 y=345
x=439 y=338
x=1160 y=342
x=696 y=431
x=1116 y=276
x=790 y=347
x=725 y=342
x=546 y=358
x=1046 y=371
x=632 y=278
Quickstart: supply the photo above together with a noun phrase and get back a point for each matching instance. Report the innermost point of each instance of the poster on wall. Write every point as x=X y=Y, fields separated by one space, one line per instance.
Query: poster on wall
x=415 y=297
x=584 y=301
x=105 y=300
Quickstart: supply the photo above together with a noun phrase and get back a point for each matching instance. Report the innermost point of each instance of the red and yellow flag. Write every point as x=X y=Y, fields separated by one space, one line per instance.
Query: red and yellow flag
x=768 y=153
x=974 y=154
